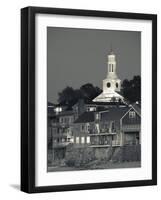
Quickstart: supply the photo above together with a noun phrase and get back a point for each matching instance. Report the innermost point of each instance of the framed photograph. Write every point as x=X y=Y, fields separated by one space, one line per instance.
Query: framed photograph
x=88 y=99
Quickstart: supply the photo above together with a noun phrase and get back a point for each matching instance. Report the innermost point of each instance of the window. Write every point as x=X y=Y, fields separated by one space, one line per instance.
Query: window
x=82 y=127
x=117 y=85
x=63 y=139
x=132 y=114
x=71 y=119
x=112 y=126
x=87 y=127
x=111 y=67
x=113 y=137
x=82 y=140
x=97 y=116
x=58 y=109
x=77 y=140
x=89 y=109
x=88 y=139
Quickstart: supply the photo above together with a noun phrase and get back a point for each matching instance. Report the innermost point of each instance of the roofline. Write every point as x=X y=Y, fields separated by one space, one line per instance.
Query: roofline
x=128 y=111
x=136 y=111
x=103 y=111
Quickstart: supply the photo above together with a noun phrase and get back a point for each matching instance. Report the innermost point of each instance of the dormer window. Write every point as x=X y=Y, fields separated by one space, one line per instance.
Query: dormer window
x=132 y=114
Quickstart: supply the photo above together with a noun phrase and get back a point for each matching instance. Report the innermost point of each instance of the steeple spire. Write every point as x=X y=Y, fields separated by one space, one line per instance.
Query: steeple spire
x=111 y=49
x=111 y=84
x=111 y=65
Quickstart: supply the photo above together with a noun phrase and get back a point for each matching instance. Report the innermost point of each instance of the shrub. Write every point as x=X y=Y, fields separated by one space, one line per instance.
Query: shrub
x=79 y=157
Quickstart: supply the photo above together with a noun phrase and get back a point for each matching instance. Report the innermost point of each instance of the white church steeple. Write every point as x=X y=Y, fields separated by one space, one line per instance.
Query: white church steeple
x=112 y=84
x=111 y=65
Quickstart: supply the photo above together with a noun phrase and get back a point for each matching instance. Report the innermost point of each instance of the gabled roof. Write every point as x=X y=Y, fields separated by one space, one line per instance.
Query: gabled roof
x=85 y=117
x=114 y=113
x=104 y=103
x=110 y=114
x=107 y=97
x=137 y=108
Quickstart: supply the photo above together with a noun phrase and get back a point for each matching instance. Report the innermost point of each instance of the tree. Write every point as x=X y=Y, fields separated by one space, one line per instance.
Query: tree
x=131 y=89
x=70 y=96
x=89 y=92
x=67 y=96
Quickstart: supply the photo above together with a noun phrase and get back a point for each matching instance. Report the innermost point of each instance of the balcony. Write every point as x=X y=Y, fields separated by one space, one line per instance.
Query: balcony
x=131 y=127
x=103 y=132
x=112 y=143
x=99 y=134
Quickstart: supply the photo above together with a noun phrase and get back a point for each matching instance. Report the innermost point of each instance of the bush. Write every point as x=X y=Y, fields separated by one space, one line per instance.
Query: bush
x=70 y=162
x=79 y=157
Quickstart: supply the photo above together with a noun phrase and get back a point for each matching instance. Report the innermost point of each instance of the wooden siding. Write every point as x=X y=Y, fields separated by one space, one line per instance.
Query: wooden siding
x=127 y=120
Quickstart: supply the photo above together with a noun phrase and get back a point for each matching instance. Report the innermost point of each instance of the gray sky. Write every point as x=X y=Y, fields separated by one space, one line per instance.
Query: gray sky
x=78 y=56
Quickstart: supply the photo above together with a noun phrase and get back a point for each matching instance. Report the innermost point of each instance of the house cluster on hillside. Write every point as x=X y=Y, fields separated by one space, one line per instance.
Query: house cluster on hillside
x=106 y=121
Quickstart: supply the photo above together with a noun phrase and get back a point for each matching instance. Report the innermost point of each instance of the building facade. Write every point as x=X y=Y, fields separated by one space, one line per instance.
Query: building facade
x=115 y=126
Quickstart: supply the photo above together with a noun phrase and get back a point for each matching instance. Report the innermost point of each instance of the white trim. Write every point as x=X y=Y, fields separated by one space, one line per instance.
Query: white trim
x=136 y=111
x=103 y=111
x=129 y=110
x=125 y=113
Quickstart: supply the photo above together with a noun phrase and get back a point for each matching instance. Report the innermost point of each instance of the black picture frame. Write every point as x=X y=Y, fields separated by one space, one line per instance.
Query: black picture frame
x=28 y=98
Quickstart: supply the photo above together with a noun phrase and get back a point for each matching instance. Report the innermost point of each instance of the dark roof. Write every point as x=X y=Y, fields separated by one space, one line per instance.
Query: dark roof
x=50 y=104
x=111 y=113
x=50 y=109
x=114 y=113
x=92 y=103
x=51 y=113
x=66 y=113
x=137 y=107
x=85 y=117
x=104 y=103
